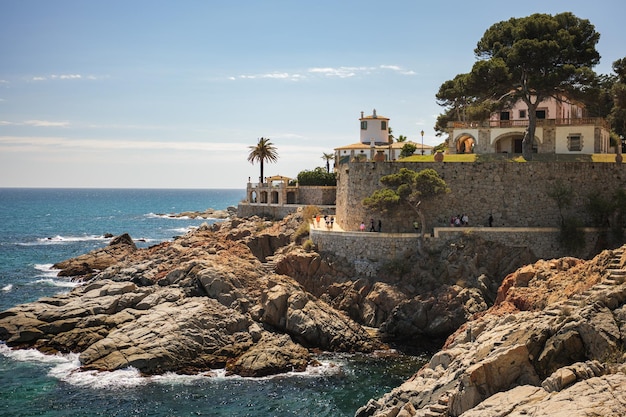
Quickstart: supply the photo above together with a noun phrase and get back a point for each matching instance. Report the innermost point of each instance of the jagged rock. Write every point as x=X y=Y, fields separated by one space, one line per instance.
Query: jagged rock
x=435 y=317
x=273 y=354
x=193 y=333
x=185 y=306
x=547 y=360
x=311 y=321
x=99 y=259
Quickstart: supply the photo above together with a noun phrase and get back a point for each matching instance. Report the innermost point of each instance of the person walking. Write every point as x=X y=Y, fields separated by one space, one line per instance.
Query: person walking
x=380 y=225
x=372 y=228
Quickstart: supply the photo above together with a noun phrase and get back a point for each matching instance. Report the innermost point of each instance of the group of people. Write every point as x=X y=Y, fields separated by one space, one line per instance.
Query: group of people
x=372 y=226
x=328 y=220
x=460 y=220
x=463 y=220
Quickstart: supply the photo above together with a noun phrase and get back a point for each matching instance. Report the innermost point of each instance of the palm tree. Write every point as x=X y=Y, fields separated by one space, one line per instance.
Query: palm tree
x=328 y=157
x=263 y=151
x=401 y=139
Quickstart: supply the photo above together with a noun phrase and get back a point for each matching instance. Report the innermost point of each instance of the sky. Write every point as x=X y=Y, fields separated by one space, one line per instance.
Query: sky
x=171 y=94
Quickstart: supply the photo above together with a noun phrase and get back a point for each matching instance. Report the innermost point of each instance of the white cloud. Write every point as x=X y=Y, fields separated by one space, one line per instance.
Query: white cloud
x=47 y=143
x=45 y=123
x=328 y=72
x=271 y=75
x=43 y=143
x=398 y=69
x=341 y=72
x=66 y=77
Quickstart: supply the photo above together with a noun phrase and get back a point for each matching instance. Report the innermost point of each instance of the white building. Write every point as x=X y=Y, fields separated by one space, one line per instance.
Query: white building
x=375 y=143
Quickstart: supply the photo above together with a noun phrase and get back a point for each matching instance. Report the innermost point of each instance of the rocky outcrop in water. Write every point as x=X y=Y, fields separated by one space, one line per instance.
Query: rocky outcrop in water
x=552 y=345
x=199 y=302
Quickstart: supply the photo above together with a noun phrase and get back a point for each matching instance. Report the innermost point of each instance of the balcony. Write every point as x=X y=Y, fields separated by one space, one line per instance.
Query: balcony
x=487 y=124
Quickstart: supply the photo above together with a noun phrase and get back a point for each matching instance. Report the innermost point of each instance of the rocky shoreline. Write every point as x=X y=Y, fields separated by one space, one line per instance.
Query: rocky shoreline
x=522 y=335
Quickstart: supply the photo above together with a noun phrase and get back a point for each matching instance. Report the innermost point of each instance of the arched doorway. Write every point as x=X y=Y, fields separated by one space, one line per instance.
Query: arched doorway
x=511 y=143
x=291 y=197
x=465 y=143
x=252 y=197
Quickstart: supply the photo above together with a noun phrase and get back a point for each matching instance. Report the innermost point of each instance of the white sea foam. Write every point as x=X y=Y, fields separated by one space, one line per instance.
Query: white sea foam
x=62 y=240
x=7 y=288
x=57 y=283
x=66 y=367
x=46 y=270
x=184 y=229
x=33 y=355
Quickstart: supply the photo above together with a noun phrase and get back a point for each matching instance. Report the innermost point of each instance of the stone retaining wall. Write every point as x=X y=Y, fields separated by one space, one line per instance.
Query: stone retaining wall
x=317 y=195
x=516 y=194
x=380 y=247
x=275 y=211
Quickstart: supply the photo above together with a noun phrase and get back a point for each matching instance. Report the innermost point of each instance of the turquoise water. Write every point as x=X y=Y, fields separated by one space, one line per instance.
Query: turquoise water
x=39 y=227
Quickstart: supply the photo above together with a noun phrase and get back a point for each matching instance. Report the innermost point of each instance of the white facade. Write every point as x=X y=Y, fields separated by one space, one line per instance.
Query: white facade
x=374 y=143
x=374 y=129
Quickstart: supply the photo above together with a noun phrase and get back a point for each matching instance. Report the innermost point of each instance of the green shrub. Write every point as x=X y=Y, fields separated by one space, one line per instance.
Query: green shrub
x=308 y=245
x=319 y=176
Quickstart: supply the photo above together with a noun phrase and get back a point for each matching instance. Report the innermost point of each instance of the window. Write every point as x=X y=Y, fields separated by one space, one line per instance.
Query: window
x=541 y=114
x=505 y=115
x=574 y=143
x=364 y=125
x=522 y=114
x=383 y=125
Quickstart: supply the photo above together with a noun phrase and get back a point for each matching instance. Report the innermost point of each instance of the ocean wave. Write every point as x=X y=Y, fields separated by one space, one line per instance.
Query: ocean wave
x=56 y=283
x=166 y=216
x=184 y=230
x=60 y=240
x=46 y=270
x=33 y=355
x=174 y=216
x=7 y=288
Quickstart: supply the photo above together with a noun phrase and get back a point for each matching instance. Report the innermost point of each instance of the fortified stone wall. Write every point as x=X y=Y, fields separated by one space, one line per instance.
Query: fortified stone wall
x=516 y=194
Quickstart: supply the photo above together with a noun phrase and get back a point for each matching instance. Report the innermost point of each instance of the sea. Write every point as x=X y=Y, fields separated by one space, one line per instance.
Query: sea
x=39 y=227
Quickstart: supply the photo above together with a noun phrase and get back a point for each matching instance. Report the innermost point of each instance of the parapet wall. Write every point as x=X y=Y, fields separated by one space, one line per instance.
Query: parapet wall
x=516 y=194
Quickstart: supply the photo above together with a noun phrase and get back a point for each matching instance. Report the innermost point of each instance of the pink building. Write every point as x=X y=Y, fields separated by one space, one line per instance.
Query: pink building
x=562 y=128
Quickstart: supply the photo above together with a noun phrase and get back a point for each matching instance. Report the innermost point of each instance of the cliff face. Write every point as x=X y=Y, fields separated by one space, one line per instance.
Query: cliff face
x=552 y=345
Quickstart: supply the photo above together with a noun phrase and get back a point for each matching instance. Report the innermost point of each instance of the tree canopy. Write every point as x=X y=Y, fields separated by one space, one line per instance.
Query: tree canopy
x=319 y=176
x=617 y=116
x=529 y=59
x=263 y=151
x=408 y=188
x=408 y=149
x=328 y=157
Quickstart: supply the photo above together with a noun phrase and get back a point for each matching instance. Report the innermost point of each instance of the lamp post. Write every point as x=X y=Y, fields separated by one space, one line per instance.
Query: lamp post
x=422 y=132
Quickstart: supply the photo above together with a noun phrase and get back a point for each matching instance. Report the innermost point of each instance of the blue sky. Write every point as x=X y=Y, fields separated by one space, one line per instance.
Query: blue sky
x=170 y=94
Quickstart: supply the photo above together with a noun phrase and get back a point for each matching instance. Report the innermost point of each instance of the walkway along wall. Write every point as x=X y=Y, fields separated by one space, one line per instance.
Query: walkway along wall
x=516 y=194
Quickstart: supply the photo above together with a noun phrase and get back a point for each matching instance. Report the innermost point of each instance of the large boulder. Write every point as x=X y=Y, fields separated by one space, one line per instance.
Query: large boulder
x=97 y=260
